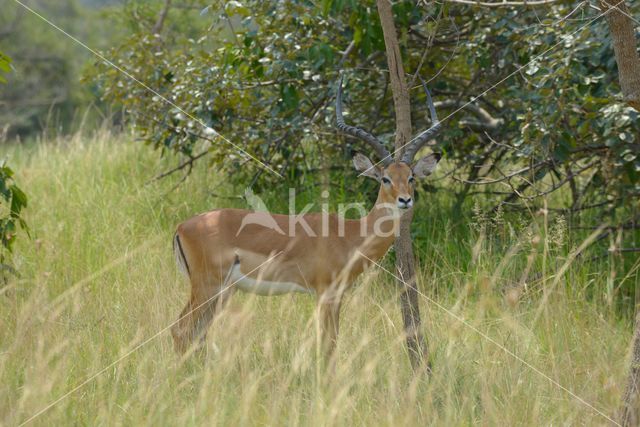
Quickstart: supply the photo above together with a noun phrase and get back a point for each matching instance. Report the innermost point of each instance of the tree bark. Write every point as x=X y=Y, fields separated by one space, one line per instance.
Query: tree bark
x=623 y=37
x=624 y=43
x=630 y=410
x=403 y=245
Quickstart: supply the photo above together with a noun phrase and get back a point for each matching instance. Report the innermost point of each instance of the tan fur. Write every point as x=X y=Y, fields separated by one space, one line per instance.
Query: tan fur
x=328 y=264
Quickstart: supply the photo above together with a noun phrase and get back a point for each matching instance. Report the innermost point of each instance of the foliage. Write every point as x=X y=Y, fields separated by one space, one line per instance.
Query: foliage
x=5 y=66
x=12 y=198
x=263 y=74
x=13 y=202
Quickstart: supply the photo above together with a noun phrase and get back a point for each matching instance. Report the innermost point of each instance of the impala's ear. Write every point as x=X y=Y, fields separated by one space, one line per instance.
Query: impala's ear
x=426 y=165
x=366 y=167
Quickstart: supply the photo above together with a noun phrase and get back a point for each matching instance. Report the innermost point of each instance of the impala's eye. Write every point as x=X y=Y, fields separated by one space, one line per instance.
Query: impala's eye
x=386 y=180
x=411 y=180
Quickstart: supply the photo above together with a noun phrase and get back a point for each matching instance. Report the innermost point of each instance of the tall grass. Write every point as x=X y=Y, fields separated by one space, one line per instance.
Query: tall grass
x=97 y=278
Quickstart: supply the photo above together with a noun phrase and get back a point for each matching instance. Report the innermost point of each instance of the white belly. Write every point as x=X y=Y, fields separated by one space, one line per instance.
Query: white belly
x=263 y=287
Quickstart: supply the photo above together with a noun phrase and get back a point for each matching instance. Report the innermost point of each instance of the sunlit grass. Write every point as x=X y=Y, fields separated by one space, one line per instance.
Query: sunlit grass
x=97 y=278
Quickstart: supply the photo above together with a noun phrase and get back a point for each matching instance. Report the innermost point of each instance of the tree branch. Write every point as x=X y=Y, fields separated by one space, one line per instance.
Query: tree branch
x=157 y=27
x=505 y=177
x=188 y=163
x=485 y=122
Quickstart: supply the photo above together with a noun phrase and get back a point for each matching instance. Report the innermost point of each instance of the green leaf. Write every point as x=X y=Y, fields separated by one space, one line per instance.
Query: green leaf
x=290 y=97
x=5 y=66
x=18 y=200
x=5 y=63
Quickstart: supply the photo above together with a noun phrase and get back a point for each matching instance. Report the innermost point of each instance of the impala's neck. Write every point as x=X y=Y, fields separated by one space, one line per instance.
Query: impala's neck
x=381 y=226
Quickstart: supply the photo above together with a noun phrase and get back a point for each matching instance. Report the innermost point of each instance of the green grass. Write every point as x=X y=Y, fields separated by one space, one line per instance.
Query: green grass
x=98 y=278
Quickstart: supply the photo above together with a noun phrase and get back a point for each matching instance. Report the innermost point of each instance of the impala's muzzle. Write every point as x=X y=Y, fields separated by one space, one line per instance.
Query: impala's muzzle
x=405 y=202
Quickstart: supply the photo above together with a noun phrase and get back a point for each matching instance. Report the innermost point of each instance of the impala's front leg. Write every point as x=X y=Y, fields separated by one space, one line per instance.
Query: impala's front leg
x=328 y=322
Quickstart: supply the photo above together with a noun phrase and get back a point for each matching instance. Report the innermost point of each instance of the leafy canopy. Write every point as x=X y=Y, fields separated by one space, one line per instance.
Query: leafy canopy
x=263 y=74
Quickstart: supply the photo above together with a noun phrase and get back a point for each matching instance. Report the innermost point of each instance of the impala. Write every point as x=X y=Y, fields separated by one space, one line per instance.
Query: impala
x=321 y=254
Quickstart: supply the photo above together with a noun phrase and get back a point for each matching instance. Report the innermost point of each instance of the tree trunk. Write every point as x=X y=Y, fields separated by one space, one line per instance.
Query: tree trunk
x=630 y=411
x=403 y=245
x=623 y=37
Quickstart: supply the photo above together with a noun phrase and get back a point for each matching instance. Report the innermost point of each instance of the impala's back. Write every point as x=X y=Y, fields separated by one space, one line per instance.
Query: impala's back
x=310 y=250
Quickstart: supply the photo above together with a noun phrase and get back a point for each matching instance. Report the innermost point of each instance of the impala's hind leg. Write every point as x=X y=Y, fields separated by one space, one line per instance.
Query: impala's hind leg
x=328 y=322
x=206 y=300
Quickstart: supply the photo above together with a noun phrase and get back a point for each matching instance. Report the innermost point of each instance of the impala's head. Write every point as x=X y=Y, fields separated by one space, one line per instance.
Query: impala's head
x=397 y=179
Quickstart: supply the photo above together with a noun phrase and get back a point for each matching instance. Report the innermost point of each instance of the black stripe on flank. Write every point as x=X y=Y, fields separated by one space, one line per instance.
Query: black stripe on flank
x=186 y=264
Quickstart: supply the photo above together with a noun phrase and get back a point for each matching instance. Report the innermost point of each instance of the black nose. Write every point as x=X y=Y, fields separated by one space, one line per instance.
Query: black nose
x=405 y=201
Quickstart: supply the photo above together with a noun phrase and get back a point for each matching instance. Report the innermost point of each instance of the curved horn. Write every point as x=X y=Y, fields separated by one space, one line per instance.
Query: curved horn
x=373 y=142
x=421 y=139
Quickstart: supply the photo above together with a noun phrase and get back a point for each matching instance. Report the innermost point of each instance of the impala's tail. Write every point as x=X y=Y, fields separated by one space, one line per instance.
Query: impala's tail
x=181 y=260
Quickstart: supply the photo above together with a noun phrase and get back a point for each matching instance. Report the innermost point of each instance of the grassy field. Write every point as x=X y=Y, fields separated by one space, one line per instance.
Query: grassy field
x=519 y=333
